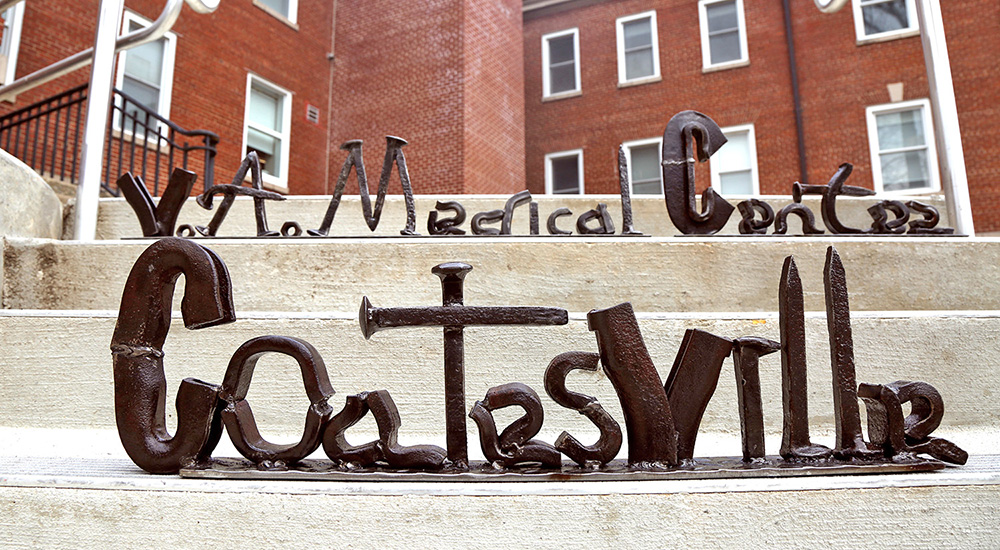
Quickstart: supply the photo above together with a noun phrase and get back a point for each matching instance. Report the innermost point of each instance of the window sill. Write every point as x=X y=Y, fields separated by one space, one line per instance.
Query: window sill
x=268 y=183
x=886 y=37
x=563 y=95
x=726 y=66
x=277 y=15
x=640 y=81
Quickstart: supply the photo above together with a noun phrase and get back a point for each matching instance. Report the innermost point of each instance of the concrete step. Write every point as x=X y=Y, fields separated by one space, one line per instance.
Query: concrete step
x=55 y=370
x=75 y=503
x=117 y=221
x=655 y=274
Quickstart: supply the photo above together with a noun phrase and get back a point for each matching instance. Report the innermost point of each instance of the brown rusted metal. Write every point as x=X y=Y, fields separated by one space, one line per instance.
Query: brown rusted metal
x=610 y=440
x=804 y=214
x=850 y=441
x=519 y=199
x=746 y=353
x=514 y=445
x=251 y=164
x=238 y=416
x=454 y=316
x=749 y=209
x=881 y=224
x=691 y=137
x=491 y=216
x=830 y=192
x=446 y=226
x=927 y=225
x=691 y=383
x=605 y=225
x=795 y=442
x=157 y=219
x=894 y=434
x=649 y=422
x=393 y=153
x=335 y=444
x=626 y=194
x=555 y=215
x=137 y=352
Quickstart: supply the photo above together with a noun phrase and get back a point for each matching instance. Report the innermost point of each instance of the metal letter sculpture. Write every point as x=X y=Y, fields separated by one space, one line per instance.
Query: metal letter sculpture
x=661 y=419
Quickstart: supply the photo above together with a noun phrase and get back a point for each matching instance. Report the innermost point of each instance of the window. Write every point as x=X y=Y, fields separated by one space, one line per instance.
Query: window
x=734 y=165
x=267 y=124
x=145 y=74
x=643 y=158
x=10 y=44
x=560 y=65
x=723 y=34
x=883 y=19
x=564 y=173
x=638 y=51
x=902 y=147
x=286 y=9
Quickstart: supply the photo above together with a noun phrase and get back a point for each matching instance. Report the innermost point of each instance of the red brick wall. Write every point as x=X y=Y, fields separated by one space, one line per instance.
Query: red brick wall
x=446 y=76
x=494 y=97
x=838 y=80
x=214 y=54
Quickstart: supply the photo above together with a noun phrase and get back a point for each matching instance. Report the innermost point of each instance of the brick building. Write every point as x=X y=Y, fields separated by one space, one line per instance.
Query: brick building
x=497 y=96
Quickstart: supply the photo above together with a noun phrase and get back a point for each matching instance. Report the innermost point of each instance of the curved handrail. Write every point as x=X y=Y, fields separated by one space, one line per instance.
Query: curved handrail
x=161 y=26
x=212 y=136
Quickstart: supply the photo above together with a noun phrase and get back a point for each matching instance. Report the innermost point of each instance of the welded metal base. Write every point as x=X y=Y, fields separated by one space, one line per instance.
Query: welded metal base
x=617 y=470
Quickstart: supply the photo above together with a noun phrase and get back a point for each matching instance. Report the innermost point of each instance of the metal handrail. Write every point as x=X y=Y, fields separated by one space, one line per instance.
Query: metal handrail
x=211 y=136
x=154 y=32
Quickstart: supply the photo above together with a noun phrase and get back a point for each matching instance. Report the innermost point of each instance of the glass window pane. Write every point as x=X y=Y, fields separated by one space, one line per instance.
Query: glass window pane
x=562 y=78
x=265 y=109
x=637 y=33
x=645 y=162
x=904 y=171
x=561 y=49
x=885 y=17
x=721 y=16
x=650 y=187
x=638 y=64
x=725 y=47
x=268 y=149
x=902 y=129
x=142 y=93
x=280 y=6
x=565 y=174
x=736 y=183
x=734 y=155
x=146 y=62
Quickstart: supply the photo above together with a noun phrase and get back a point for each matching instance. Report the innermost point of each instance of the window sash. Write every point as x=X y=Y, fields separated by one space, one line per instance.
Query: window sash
x=258 y=134
x=552 y=160
x=552 y=71
x=137 y=83
x=862 y=28
x=906 y=169
x=638 y=48
x=722 y=46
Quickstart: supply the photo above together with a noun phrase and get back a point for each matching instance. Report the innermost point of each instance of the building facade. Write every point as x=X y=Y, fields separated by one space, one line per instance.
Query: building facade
x=496 y=96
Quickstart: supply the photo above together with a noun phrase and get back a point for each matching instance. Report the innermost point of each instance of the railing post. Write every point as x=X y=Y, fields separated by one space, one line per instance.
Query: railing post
x=99 y=100
x=949 y=137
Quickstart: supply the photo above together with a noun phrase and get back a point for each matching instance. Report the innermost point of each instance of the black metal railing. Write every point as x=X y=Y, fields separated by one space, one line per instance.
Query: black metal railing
x=47 y=136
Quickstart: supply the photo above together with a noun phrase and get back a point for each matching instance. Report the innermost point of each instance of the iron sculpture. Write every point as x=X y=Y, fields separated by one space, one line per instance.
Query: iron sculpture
x=661 y=419
x=157 y=219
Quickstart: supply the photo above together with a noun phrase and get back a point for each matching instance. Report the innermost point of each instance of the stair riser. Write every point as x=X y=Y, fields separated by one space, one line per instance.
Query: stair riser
x=58 y=370
x=116 y=219
x=579 y=275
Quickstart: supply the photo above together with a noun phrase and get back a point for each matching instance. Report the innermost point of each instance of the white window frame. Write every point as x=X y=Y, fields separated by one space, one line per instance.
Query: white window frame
x=546 y=84
x=706 y=46
x=11 y=44
x=859 y=24
x=628 y=146
x=166 y=71
x=932 y=161
x=280 y=181
x=563 y=154
x=716 y=179
x=291 y=17
x=620 y=26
